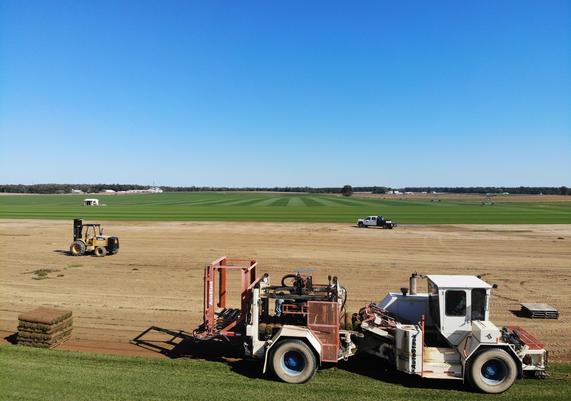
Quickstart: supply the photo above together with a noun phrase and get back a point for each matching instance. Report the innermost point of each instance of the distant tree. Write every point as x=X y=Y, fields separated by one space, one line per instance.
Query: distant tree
x=564 y=190
x=380 y=190
x=347 y=190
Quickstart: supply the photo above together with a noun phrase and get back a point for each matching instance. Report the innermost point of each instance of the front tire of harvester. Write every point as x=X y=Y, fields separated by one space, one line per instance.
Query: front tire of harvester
x=100 y=251
x=493 y=371
x=77 y=248
x=292 y=361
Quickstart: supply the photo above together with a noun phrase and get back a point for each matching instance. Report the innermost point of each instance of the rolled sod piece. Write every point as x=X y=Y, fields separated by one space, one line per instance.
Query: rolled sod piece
x=45 y=315
x=44 y=327
x=25 y=335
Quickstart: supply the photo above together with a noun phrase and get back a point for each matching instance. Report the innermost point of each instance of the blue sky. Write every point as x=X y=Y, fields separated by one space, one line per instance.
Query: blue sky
x=286 y=92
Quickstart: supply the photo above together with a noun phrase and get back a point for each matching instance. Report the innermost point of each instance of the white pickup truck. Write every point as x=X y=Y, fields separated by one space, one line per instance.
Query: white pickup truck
x=376 y=221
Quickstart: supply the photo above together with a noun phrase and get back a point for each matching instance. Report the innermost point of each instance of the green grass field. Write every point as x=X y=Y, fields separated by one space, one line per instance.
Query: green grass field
x=34 y=374
x=279 y=207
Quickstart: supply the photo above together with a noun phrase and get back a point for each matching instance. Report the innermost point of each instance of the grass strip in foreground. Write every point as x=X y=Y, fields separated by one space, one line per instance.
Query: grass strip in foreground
x=35 y=374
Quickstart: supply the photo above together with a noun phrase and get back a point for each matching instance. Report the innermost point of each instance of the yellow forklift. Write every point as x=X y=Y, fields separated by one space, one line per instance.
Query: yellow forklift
x=89 y=238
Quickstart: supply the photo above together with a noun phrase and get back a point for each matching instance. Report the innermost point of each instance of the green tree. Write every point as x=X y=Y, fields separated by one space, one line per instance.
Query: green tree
x=564 y=190
x=347 y=190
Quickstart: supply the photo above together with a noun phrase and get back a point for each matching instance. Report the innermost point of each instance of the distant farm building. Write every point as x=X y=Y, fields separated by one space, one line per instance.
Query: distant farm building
x=152 y=190
x=76 y=191
x=91 y=202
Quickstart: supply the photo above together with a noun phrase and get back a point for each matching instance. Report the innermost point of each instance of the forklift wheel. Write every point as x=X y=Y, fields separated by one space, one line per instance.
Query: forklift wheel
x=77 y=248
x=293 y=361
x=100 y=251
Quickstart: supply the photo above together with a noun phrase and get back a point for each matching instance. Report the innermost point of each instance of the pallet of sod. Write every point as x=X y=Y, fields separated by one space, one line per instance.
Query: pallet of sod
x=44 y=327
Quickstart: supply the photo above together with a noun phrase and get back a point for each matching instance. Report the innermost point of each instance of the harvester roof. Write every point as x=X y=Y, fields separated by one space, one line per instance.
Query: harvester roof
x=457 y=281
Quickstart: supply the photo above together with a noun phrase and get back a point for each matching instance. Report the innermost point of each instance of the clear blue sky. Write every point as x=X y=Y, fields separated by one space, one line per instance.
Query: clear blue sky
x=237 y=93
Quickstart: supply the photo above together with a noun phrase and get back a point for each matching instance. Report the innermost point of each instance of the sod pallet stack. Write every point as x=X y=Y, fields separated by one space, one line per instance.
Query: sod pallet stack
x=44 y=327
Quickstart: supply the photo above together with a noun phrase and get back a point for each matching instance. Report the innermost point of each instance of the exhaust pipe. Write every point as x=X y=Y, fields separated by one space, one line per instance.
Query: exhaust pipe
x=412 y=283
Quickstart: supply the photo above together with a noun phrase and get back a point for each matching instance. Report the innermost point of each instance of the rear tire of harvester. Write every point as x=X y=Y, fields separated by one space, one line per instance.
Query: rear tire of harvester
x=77 y=248
x=493 y=371
x=292 y=361
x=100 y=251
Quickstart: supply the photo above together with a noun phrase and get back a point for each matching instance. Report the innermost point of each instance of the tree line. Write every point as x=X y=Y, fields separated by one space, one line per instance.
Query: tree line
x=563 y=190
x=66 y=188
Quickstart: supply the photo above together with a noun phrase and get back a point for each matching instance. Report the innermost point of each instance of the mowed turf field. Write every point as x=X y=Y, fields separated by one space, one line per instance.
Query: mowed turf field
x=35 y=374
x=281 y=207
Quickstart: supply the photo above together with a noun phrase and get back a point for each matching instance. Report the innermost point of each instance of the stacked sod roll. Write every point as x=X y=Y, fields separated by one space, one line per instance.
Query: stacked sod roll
x=44 y=327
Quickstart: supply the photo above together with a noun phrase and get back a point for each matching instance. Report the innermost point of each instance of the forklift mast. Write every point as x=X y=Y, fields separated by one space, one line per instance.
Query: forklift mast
x=77 y=227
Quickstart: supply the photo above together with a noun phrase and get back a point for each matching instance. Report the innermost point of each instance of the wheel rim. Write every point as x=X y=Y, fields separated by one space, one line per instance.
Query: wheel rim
x=493 y=372
x=76 y=248
x=293 y=363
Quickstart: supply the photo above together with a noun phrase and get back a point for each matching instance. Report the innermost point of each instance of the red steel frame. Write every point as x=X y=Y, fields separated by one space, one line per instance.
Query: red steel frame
x=527 y=338
x=247 y=267
x=323 y=321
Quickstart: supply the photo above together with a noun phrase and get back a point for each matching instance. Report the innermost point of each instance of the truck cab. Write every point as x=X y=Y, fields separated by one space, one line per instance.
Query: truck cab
x=375 y=221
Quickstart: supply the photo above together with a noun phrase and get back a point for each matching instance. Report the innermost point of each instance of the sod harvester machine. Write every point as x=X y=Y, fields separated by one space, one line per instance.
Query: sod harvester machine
x=89 y=238
x=294 y=327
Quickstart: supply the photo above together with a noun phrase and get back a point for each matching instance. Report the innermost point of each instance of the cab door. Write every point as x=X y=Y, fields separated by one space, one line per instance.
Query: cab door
x=455 y=321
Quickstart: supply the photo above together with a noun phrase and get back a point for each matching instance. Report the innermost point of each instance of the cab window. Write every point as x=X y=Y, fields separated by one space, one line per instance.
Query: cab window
x=455 y=303
x=478 y=306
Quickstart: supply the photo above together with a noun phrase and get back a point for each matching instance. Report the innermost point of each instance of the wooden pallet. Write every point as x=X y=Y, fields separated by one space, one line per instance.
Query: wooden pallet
x=540 y=311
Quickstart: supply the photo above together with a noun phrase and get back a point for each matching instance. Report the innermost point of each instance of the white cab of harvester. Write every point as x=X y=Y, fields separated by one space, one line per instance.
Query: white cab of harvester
x=455 y=302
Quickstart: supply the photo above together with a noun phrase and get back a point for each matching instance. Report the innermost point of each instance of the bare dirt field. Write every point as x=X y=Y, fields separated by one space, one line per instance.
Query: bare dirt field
x=156 y=279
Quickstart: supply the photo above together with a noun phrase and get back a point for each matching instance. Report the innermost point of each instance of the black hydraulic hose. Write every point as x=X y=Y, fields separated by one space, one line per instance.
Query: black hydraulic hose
x=285 y=288
x=284 y=278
